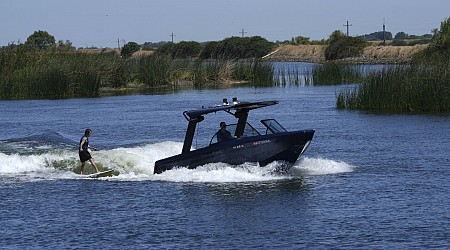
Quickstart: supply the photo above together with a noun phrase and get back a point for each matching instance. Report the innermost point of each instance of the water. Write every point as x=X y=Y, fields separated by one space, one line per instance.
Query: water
x=368 y=180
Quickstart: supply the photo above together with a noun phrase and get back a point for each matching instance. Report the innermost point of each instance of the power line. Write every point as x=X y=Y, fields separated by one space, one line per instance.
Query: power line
x=347 y=26
x=172 y=35
x=243 y=32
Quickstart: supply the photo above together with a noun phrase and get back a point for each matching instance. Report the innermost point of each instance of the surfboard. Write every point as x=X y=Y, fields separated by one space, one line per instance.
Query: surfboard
x=101 y=174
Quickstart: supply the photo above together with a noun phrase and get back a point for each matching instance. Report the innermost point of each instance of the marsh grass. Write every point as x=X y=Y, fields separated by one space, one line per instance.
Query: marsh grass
x=407 y=88
x=31 y=74
x=335 y=74
x=320 y=74
x=159 y=70
x=293 y=76
x=55 y=75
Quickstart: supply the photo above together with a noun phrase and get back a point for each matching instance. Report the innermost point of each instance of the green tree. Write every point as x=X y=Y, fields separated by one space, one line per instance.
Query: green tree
x=401 y=35
x=186 y=49
x=300 y=40
x=65 y=46
x=441 y=38
x=377 y=36
x=40 y=40
x=342 y=46
x=237 y=47
x=210 y=50
x=336 y=35
x=165 y=49
x=129 y=48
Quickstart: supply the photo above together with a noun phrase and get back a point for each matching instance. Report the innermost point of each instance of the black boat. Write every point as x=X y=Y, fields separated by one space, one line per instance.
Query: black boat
x=247 y=144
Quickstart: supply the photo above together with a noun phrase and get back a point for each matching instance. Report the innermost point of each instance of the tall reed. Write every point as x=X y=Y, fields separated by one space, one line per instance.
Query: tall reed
x=320 y=74
x=32 y=74
x=335 y=73
x=50 y=75
x=296 y=76
x=415 y=88
x=158 y=70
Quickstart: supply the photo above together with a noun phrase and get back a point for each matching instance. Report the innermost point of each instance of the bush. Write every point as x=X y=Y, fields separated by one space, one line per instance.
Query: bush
x=129 y=48
x=181 y=50
x=342 y=46
x=237 y=48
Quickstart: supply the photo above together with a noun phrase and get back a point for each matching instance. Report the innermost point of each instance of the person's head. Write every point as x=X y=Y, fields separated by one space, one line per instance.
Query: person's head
x=87 y=132
x=223 y=125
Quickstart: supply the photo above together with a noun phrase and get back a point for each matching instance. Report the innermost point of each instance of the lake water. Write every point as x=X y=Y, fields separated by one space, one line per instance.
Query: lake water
x=368 y=180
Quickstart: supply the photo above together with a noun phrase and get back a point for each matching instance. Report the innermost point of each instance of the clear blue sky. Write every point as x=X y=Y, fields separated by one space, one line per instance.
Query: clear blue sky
x=101 y=23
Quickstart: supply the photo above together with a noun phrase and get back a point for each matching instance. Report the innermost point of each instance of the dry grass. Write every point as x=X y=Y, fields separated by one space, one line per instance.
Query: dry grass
x=371 y=54
x=136 y=54
x=99 y=50
x=390 y=52
x=142 y=53
x=302 y=52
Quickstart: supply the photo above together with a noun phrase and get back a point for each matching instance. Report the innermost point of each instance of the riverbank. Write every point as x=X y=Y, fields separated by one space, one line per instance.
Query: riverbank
x=371 y=55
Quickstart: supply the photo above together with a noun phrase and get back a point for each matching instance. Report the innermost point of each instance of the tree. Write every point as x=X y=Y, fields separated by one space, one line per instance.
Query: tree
x=210 y=50
x=441 y=38
x=237 y=47
x=40 y=40
x=166 y=49
x=336 y=35
x=129 y=48
x=342 y=46
x=377 y=36
x=300 y=40
x=401 y=35
x=65 y=46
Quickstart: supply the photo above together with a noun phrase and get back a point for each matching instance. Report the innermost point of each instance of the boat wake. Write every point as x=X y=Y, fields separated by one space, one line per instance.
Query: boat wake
x=136 y=164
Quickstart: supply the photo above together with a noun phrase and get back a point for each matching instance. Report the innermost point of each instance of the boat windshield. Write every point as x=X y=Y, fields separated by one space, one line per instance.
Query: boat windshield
x=248 y=131
x=272 y=126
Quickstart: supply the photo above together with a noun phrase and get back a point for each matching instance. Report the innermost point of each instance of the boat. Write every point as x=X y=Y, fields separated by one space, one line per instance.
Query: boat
x=246 y=143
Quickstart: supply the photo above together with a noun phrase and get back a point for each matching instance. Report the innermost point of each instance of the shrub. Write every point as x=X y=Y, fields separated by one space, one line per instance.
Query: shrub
x=129 y=48
x=237 y=48
x=342 y=46
x=181 y=50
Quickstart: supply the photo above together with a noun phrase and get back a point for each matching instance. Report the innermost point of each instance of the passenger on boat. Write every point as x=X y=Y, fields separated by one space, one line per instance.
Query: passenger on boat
x=223 y=134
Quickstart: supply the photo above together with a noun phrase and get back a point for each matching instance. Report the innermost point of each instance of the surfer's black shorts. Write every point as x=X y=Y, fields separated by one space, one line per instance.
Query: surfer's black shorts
x=84 y=156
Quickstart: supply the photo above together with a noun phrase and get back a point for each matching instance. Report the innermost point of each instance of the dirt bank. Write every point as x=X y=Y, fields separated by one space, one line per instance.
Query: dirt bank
x=371 y=54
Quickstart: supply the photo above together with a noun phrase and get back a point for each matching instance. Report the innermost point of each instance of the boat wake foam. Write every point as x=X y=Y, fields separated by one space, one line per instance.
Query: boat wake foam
x=319 y=166
x=136 y=164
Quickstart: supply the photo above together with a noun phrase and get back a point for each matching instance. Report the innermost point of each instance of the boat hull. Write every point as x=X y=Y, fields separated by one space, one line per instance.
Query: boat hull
x=263 y=149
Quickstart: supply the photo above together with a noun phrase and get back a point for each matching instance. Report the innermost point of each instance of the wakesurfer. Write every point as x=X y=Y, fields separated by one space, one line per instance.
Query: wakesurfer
x=83 y=151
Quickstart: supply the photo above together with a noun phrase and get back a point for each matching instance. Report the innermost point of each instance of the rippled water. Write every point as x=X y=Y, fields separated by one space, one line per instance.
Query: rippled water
x=368 y=180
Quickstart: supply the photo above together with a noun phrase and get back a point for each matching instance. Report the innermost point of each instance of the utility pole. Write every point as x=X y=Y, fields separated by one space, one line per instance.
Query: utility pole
x=347 y=26
x=118 y=44
x=243 y=32
x=172 y=35
x=384 y=34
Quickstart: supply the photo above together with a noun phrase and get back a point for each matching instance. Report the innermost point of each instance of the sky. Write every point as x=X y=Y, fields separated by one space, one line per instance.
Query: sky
x=104 y=23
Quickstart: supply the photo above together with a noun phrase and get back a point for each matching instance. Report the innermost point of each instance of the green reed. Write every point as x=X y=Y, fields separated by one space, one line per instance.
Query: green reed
x=411 y=88
x=158 y=70
x=52 y=75
x=287 y=76
x=319 y=74
x=32 y=74
x=335 y=73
